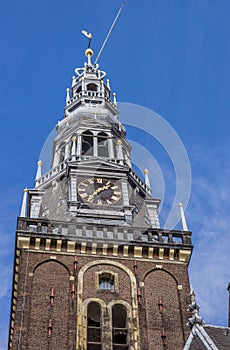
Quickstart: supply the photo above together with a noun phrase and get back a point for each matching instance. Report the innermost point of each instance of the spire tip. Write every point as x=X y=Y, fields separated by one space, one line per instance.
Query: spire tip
x=89 y=52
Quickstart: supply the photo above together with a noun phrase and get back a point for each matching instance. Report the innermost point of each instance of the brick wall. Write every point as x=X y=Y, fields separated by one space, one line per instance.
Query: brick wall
x=55 y=270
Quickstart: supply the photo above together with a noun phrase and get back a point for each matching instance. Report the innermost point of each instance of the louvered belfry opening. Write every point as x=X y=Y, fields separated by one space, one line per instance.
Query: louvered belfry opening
x=94 y=326
x=120 y=331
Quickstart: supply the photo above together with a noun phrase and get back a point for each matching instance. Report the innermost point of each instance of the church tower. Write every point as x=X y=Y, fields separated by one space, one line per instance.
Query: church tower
x=93 y=270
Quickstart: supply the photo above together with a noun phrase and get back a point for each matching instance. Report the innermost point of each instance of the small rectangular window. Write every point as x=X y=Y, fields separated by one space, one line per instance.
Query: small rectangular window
x=106 y=281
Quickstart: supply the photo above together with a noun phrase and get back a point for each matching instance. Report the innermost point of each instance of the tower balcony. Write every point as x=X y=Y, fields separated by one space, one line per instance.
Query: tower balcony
x=93 y=98
x=70 y=237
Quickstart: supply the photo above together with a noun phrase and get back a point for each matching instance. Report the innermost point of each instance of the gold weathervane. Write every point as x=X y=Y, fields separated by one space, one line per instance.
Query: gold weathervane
x=89 y=36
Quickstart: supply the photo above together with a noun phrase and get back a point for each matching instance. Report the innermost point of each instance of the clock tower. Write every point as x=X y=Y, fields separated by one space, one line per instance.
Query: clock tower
x=93 y=269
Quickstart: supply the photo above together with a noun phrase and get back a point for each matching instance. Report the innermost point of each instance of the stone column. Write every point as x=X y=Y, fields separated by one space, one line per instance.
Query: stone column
x=120 y=152
x=95 y=145
x=111 y=150
x=67 y=150
x=79 y=141
x=73 y=152
x=56 y=159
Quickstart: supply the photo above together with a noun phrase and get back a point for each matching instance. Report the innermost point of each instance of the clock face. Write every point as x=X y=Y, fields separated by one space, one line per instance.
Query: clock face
x=99 y=190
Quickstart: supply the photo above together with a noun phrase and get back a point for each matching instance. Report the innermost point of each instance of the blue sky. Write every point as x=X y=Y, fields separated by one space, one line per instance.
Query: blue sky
x=171 y=56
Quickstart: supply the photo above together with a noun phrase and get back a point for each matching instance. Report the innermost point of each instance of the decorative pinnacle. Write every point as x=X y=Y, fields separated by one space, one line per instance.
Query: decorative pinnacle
x=194 y=309
x=24 y=203
x=73 y=80
x=183 y=219
x=114 y=98
x=39 y=171
x=67 y=95
x=74 y=138
x=147 y=182
x=119 y=142
x=108 y=84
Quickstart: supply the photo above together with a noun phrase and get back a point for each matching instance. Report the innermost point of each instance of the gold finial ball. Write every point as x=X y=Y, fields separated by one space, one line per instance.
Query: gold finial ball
x=39 y=163
x=74 y=138
x=26 y=189
x=119 y=142
x=114 y=94
x=89 y=52
x=180 y=204
x=146 y=171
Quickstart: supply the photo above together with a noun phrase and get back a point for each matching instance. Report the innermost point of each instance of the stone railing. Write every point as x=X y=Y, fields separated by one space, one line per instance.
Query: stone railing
x=50 y=174
x=140 y=182
x=167 y=236
x=92 y=94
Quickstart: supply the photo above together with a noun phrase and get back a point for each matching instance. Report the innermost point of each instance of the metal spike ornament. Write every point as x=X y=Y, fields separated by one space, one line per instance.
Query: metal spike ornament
x=109 y=32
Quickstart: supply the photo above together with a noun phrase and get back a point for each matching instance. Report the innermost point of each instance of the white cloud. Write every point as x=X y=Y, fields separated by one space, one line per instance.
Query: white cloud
x=5 y=278
x=208 y=216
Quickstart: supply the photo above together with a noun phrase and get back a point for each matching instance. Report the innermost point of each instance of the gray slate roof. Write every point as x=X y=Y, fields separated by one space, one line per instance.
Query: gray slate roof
x=203 y=337
x=220 y=336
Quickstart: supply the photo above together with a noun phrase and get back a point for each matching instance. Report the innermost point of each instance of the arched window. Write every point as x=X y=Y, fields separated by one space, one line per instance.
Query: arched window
x=92 y=87
x=94 y=326
x=87 y=143
x=120 y=331
x=102 y=139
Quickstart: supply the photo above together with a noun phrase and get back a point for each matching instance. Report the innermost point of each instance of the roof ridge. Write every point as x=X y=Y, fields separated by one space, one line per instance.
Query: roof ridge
x=214 y=326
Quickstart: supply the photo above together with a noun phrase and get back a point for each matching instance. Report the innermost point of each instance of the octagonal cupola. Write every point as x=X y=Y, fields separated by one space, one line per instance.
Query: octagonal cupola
x=89 y=88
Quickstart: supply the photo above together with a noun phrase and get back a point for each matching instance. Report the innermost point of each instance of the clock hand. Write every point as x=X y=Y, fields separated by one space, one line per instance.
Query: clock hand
x=100 y=189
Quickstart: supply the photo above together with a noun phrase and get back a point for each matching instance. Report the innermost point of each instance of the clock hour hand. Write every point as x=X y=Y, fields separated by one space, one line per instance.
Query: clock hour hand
x=100 y=189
